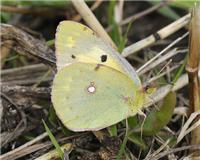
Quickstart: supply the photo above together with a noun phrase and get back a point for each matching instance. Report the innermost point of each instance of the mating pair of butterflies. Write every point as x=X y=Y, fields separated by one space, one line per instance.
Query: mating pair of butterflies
x=94 y=86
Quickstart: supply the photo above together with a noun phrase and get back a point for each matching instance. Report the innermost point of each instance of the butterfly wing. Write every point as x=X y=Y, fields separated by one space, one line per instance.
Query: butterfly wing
x=86 y=97
x=78 y=43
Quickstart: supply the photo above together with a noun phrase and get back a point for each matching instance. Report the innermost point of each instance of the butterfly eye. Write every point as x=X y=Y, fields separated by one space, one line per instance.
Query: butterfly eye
x=104 y=58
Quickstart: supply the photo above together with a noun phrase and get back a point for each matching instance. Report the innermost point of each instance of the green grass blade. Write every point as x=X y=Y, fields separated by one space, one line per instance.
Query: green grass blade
x=166 y=11
x=50 y=42
x=180 y=70
x=123 y=39
x=112 y=130
x=184 y=4
x=53 y=140
x=136 y=139
x=122 y=148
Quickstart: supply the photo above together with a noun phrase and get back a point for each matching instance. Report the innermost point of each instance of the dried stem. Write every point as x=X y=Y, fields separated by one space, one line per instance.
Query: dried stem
x=33 y=145
x=53 y=154
x=143 y=13
x=26 y=44
x=95 y=5
x=91 y=20
x=165 y=153
x=25 y=75
x=192 y=69
x=160 y=53
x=140 y=14
x=39 y=92
x=162 y=60
x=161 y=34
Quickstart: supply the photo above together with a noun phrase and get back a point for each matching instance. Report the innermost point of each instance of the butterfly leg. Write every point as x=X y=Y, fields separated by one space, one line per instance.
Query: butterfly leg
x=142 y=114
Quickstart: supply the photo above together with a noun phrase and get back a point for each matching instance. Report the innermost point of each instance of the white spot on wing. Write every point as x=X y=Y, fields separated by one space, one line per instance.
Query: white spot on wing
x=91 y=88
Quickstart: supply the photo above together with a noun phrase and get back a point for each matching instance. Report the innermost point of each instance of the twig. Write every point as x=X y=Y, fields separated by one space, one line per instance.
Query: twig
x=25 y=75
x=4 y=54
x=163 y=91
x=165 y=153
x=53 y=154
x=94 y=6
x=158 y=150
x=163 y=51
x=143 y=13
x=22 y=147
x=160 y=75
x=31 y=147
x=192 y=69
x=161 y=34
x=21 y=125
x=14 y=20
x=26 y=44
x=161 y=60
x=181 y=82
x=118 y=13
x=184 y=130
x=91 y=20
x=39 y=92
x=140 y=14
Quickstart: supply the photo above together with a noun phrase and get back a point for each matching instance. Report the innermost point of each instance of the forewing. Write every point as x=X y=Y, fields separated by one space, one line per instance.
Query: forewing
x=78 y=43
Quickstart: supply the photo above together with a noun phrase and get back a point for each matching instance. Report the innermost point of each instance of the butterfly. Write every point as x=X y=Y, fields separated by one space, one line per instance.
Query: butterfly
x=94 y=86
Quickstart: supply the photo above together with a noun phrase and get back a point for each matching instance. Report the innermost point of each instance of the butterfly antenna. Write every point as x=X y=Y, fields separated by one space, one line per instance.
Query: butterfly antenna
x=165 y=66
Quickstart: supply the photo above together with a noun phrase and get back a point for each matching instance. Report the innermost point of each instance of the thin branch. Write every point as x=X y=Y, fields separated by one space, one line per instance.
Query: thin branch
x=25 y=75
x=143 y=13
x=39 y=92
x=140 y=14
x=53 y=154
x=163 y=51
x=165 y=153
x=92 y=21
x=160 y=75
x=20 y=128
x=192 y=69
x=25 y=44
x=161 y=34
x=163 y=91
x=162 y=59
x=94 y=6
x=184 y=129
x=33 y=146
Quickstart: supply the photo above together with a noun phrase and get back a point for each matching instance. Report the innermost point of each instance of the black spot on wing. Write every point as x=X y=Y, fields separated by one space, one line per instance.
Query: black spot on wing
x=104 y=58
x=73 y=56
